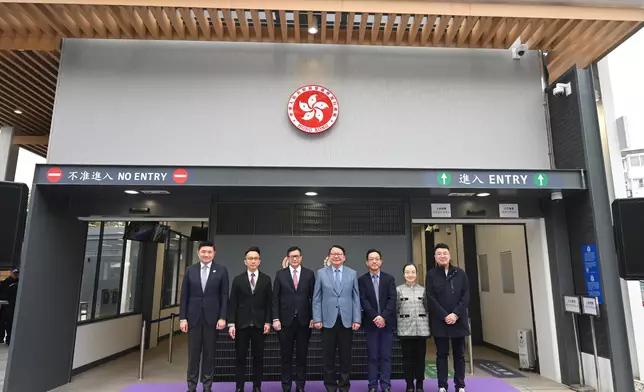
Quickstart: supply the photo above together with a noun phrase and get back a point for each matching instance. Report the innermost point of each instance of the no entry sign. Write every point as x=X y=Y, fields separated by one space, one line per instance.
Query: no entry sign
x=180 y=176
x=54 y=174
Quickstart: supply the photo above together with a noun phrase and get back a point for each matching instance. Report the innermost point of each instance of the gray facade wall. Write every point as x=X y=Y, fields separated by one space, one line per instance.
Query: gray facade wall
x=224 y=104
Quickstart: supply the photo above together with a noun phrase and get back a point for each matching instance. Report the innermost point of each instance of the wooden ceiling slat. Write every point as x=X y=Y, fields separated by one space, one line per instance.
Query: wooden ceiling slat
x=502 y=33
x=439 y=30
x=375 y=29
x=216 y=22
x=30 y=20
x=452 y=29
x=204 y=25
x=391 y=18
x=283 y=26
x=125 y=27
x=336 y=27
x=270 y=24
x=230 y=24
x=362 y=31
x=89 y=14
x=427 y=29
x=323 y=27
x=11 y=20
x=574 y=46
x=190 y=22
x=465 y=30
x=402 y=27
x=149 y=21
x=491 y=31
x=519 y=27
x=49 y=79
x=107 y=20
x=413 y=29
x=163 y=21
x=562 y=31
x=257 y=24
x=176 y=22
x=296 y=26
x=349 y=29
x=75 y=14
x=243 y=24
x=16 y=74
x=132 y=18
x=26 y=104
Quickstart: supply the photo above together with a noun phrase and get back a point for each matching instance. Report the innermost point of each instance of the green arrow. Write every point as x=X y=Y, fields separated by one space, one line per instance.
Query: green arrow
x=541 y=179
x=444 y=178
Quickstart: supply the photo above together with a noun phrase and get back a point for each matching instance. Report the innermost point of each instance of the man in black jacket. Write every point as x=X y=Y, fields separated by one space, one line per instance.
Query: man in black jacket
x=448 y=294
x=378 y=300
x=292 y=316
x=204 y=299
x=249 y=318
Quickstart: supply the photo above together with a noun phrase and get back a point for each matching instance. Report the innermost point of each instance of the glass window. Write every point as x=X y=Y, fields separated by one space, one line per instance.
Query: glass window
x=635 y=161
x=131 y=288
x=90 y=262
x=640 y=183
x=171 y=270
x=109 y=282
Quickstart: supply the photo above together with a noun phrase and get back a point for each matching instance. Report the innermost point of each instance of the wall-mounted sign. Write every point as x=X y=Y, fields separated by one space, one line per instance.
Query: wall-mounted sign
x=591 y=272
x=508 y=210
x=313 y=109
x=591 y=307
x=441 y=210
x=98 y=175
x=572 y=304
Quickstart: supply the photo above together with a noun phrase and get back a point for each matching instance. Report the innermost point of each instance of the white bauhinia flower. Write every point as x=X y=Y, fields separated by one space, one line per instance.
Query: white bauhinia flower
x=313 y=108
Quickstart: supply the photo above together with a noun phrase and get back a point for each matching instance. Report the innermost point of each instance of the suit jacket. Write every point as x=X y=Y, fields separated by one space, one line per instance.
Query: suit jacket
x=326 y=300
x=246 y=306
x=214 y=300
x=287 y=301
x=387 y=297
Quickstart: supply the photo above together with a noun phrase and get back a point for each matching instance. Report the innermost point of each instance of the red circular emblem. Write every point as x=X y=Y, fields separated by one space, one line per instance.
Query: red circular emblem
x=313 y=109
x=54 y=174
x=180 y=176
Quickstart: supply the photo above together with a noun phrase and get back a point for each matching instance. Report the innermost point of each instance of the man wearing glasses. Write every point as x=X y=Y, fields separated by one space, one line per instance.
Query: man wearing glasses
x=249 y=318
x=336 y=310
x=292 y=316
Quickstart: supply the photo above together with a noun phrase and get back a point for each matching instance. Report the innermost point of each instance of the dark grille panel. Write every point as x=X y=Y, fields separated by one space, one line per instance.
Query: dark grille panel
x=311 y=219
x=225 y=358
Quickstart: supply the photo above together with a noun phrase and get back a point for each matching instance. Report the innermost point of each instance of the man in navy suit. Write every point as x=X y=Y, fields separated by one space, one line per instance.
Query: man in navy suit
x=336 y=310
x=204 y=302
x=292 y=316
x=378 y=300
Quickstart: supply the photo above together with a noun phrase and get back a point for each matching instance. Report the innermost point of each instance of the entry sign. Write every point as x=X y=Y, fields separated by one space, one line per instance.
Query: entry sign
x=591 y=272
x=441 y=210
x=572 y=305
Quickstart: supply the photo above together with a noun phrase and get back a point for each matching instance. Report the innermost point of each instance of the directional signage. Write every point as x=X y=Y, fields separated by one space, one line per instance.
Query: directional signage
x=304 y=176
x=591 y=272
x=572 y=304
x=540 y=179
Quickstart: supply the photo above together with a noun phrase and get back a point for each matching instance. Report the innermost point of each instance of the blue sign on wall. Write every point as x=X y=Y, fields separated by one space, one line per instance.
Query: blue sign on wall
x=591 y=272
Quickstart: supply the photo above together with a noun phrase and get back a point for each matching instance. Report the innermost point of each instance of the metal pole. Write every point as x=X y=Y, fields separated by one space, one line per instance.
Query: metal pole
x=170 y=339
x=592 y=331
x=142 y=351
x=582 y=380
x=469 y=339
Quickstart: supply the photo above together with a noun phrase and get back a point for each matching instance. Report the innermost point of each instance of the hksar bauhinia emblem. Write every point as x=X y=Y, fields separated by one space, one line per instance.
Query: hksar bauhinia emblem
x=313 y=109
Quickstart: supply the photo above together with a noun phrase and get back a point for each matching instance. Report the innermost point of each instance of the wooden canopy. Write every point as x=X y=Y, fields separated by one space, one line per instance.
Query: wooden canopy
x=31 y=34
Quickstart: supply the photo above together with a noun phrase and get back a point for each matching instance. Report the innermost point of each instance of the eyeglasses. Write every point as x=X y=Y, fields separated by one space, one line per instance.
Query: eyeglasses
x=252 y=258
x=336 y=254
x=295 y=257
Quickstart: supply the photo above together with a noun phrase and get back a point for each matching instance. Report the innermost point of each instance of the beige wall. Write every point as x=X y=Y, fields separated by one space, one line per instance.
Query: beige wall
x=503 y=314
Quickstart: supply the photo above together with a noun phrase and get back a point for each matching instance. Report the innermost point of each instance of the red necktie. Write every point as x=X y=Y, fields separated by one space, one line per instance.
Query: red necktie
x=252 y=281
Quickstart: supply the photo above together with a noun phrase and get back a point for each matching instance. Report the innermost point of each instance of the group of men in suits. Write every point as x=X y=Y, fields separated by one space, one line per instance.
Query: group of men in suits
x=333 y=300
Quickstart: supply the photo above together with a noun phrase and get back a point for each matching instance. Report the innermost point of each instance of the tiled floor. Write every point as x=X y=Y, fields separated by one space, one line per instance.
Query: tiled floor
x=122 y=372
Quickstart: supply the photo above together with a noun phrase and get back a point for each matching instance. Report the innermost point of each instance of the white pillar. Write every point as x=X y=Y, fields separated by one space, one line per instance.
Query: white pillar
x=633 y=309
x=8 y=154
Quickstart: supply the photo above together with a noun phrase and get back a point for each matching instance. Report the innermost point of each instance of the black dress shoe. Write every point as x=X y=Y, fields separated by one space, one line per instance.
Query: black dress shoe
x=239 y=390
x=373 y=389
x=409 y=390
x=387 y=390
x=256 y=389
x=299 y=389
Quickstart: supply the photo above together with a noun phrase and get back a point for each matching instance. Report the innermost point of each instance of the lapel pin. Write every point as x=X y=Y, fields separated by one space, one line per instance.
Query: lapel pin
x=213 y=271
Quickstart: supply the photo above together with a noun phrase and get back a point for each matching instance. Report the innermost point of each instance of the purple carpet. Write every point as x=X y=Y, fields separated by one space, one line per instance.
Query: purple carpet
x=473 y=384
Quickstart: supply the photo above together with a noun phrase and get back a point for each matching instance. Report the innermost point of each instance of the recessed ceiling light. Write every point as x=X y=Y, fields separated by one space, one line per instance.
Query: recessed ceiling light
x=313 y=30
x=155 y=192
x=131 y=192
x=18 y=111
x=483 y=194
x=461 y=194
x=311 y=193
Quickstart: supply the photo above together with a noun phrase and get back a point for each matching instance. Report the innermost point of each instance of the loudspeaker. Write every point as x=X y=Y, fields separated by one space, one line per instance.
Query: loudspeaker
x=13 y=210
x=628 y=222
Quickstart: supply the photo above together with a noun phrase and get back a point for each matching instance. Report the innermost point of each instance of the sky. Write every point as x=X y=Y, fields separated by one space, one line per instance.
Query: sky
x=626 y=65
x=626 y=68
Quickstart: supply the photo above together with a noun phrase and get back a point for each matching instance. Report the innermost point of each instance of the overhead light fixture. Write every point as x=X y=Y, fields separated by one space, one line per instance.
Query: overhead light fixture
x=483 y=194
x=313 y=30
x=311 y=193
x=460 y=194
x=18 y=111
x=154 y=192
x=131 y=192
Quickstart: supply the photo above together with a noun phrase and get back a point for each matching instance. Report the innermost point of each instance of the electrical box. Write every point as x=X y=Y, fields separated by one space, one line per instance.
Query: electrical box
x=526 y=349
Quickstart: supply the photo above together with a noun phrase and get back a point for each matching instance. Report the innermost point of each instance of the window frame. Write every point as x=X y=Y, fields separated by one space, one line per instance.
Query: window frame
x=97 y=272
x=188 y=262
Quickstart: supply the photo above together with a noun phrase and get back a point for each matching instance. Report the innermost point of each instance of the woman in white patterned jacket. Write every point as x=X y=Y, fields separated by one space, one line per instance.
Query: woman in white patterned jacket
x=413 y=328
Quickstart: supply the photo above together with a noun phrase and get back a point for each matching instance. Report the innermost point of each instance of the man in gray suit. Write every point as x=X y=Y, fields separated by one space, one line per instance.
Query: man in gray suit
x=336 y=309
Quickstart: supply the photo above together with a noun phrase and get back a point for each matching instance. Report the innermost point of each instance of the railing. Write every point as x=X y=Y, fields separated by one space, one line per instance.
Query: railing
x=171 y=317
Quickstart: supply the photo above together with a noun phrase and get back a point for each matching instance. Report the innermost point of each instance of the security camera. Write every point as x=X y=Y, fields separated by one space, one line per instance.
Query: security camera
x=448 y=230
x=562 y=89
x=554 y=196
x=519 y=51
